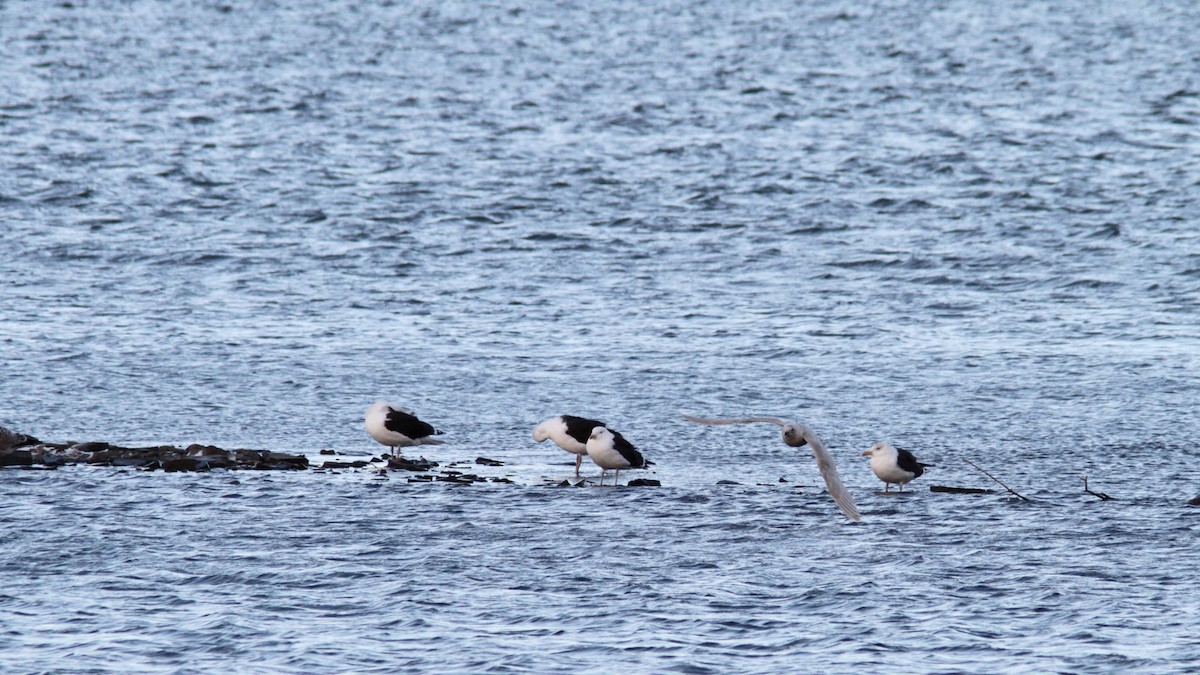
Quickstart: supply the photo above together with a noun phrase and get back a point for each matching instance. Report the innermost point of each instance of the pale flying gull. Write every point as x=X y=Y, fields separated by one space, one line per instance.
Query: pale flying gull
x=797 y=435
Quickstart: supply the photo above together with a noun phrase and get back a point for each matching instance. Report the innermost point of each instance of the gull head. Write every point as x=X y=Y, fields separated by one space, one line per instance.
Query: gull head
x=793 y=435
x=879 y=447
x=542 y=431
x=599 y=433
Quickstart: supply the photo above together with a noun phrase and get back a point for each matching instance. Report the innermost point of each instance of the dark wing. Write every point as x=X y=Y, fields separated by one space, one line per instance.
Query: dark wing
x=409 y=425
x=580 y=428
x=908 y=462
x=630 y=453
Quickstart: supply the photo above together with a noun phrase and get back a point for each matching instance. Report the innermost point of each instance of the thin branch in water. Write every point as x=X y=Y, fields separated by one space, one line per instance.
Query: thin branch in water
x=959 y=490
x=1103 y=497
x=996 y=479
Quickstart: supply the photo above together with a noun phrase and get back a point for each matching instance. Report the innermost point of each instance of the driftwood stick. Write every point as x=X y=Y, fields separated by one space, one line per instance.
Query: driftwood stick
x=1023 y=497
x=959 y=490
x=1103 y=497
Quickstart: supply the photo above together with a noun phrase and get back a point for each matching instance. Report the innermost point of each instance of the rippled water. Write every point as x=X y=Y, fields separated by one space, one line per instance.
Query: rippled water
x=969 y=231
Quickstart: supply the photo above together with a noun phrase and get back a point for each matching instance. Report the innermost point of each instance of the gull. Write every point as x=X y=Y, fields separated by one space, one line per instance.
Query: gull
x=398 y=427
x=797 y=435
x=568 y=432
x=609 y=450
x=894 y=465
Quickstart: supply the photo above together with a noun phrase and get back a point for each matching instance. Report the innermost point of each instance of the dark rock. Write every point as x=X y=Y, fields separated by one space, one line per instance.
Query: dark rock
x=16 y=458
x=94 y=446
x=421 y=464
x=134 y=461
x=425 y=478
x=278 y=460
x=484 y=461
x=644 y=482
x=356 y=464
x=328 y=452
x=498 y=479
x=10 y=439
x=727 y=482
x=184 y=464
x=1195 y=501
x=197 y=450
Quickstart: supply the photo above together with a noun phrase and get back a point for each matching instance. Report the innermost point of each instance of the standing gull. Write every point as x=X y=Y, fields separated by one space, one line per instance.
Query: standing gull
x=569 y=433
x=609 y=450
x=797 y=435
x=894 y=465
x=398 y=427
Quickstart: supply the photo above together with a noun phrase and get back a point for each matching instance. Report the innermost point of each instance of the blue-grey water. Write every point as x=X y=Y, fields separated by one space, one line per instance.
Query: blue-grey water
x=971 y=229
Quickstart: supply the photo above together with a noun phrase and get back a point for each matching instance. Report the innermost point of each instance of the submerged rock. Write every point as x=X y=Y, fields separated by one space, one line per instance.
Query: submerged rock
x=1195 y=501
x=356 y=464
x=16 y=458
x=421 y=464
x=644 y=482
x=10 y=439
x=195 y=457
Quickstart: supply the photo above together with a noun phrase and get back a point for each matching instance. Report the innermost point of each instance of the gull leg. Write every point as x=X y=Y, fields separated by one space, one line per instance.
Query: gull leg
x=901 y=487
x=578 y=461
x=618 y=478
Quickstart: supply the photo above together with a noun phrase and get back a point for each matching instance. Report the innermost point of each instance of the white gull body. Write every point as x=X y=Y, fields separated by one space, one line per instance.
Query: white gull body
x=893 y=465
x=568 y=432
x=398 y=427
x=609 y=450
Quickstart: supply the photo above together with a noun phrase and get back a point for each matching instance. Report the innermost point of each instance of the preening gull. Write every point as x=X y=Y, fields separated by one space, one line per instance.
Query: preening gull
x=568 y=432
x=797 y=435
x=398 y=427
x=894 y=465
x=609 y=450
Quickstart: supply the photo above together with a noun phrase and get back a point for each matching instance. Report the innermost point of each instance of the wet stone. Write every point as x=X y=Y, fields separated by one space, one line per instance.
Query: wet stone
x=644 y=482
x=356 y=464
x=410 y=464
x=184 y=464
x=16 y=458
x=484 y=461
x=10 y=439
x=195 y=457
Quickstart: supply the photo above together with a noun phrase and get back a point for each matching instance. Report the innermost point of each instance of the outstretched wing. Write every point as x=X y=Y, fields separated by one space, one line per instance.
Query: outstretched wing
x=739 y=420
x=841 y=496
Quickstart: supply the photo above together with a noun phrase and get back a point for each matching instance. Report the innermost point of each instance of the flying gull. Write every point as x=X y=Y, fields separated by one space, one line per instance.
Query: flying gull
x=569 y=433
x=609 y=450
x=894 y=465
x=398 y=427
x=797 y=435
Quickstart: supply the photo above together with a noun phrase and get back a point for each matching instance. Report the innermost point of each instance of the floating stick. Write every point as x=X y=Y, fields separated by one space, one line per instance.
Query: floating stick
x=996 y=479
x=1103 y=497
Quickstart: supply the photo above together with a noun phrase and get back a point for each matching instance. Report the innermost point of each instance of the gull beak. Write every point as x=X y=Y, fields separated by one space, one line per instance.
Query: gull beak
x=868 y=452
